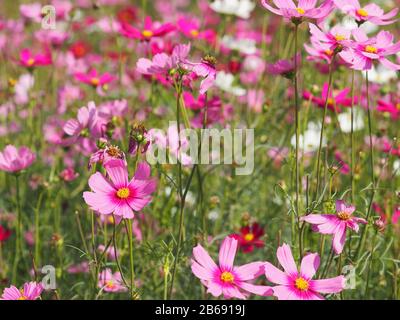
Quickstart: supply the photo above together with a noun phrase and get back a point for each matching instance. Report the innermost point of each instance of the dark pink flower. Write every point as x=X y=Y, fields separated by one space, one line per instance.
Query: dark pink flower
x=149 y=30
x=15 y=160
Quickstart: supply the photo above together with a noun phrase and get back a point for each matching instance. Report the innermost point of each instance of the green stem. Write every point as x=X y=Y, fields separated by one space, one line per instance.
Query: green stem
x=128 y=226
x=18 y=239
x=352 y=142
x=370 y=265
x=323 y=125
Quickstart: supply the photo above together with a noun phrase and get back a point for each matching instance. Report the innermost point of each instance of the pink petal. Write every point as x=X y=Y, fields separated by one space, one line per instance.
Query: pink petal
x=285 y=258
x=250 y=271
x=331 y=285
x=275 y=275
x=309 y=265
x=227 y=252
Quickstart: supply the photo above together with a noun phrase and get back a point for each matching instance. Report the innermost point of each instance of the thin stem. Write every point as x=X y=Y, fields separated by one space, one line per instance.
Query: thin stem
x=371 y=150
x=370 y=265
x=352 y=142
x=323 y=125
x=18 y=239
x=128 y=226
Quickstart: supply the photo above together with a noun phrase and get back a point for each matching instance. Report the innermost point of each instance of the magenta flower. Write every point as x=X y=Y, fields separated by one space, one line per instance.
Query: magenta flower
x=305 y=9
x=389 y=107
x=30 y=291
x=110 y=282
x=15 y=160
x=371 y=12
x=191 y=29
x=118 y=195
x=295 y=285
x=206 y=70
x=227 y=279
x=336 y=224
x=27 y=59
x=365 y=51
x=149 y=31
x=334 y=102
x=93 y=78
x=283 y=67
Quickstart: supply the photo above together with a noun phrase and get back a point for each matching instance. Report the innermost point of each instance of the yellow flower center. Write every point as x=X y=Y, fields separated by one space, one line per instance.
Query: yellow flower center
x=398 y=106
x=329 y=52
x=147 y=33
x=362 y=13
x=343 y=215
x=194 y=33
x=123 y=193
x=227 y=277
x=300 y=10
x=30 y=61
x=331 y=102
x=110 y=284
x=110 y=219
x=371 y=49
x=249 y=237
x=22 y=298
x=302 y=284
x=340 y=37
x=95 y=81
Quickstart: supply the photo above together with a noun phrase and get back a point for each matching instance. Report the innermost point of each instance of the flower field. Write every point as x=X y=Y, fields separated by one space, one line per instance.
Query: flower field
x=195 y=150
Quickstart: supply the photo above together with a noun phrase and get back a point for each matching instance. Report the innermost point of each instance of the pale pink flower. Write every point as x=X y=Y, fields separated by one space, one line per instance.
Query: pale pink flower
x=226 y=279
x=111 y=282
x=305 y=9
x=118 y=195
x=371 y=12
x=336 y=224
x=30 y=291
x=366 y=50
x=15 y=160
x=293 y=284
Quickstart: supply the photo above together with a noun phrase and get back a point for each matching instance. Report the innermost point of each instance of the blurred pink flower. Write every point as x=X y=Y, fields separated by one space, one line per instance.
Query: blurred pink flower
x=299 y=285
x=150 y=30
x=336 y=224
x=27 y=59
x=94 y=78
x=30 y=291
x=371 y=12
x=191 y=28
x=15 y=160
x=226 y=279
x=110 y=282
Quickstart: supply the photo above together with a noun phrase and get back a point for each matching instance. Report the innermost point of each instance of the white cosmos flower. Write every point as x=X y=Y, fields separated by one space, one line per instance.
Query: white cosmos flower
x=309 y=140
x=240 y=8
x=224 y=81
x=245 y=46
x=380 y=74
x=345 y=120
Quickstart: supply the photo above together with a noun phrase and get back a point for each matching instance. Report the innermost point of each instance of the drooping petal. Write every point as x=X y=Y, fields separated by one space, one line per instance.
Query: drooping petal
x=275 y=275
x=339 y=238
x=259 y=290
x=250 y=271
x=202 y=257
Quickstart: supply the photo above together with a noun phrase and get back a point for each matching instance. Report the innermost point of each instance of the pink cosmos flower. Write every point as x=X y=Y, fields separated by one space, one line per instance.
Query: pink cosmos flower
x=334 y=102
x=205 y=69
x=27 y=59
x=68 y=174
x=110 y=282
x=149 y=31
x=337 y=37
x=390 y=107
x=32 y=11
x=318 y=51
x=162 y=63
x=396 y=215
x=87 y=124
x=344 y=167
x=30 y=291
x=336 y=224
x=15 y=160
x=293 y=284
x=226 y=279
x=118 y=195
x=94 y=79
x=371 y=12
x=190 y=27
x=365 y=51
x=305 y=9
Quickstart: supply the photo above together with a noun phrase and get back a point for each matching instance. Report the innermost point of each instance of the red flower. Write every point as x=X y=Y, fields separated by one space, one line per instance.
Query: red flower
x=249 y=237
x=4 y=234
